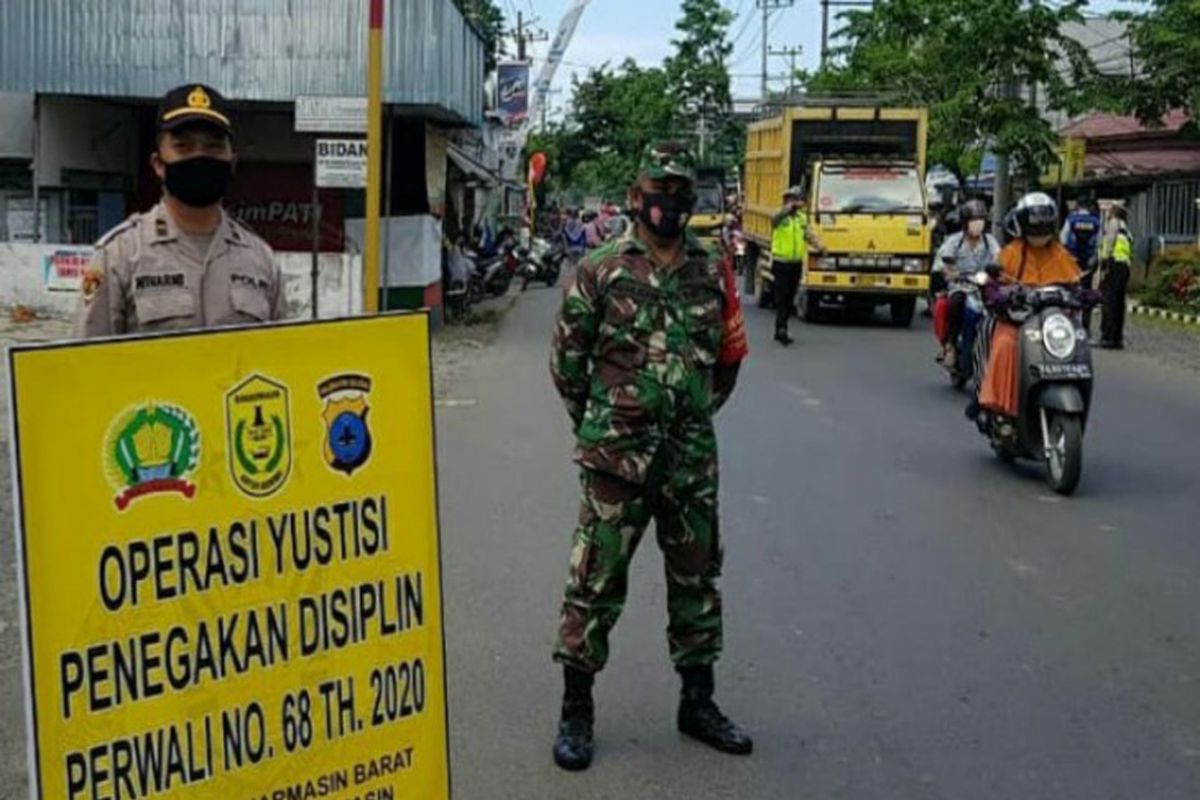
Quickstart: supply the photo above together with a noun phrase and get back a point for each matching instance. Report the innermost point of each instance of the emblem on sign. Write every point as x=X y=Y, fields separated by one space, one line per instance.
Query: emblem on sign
x=151 y=449
x=259 y=432
x=347 y=436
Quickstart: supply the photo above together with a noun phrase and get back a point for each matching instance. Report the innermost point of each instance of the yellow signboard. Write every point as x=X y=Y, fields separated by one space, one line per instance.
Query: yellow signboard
x=231 y=581
x=1069 y=164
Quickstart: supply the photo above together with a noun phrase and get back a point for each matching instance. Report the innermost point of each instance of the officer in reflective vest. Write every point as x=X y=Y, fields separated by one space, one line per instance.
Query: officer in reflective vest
x=1116 y=257
x=790 y=239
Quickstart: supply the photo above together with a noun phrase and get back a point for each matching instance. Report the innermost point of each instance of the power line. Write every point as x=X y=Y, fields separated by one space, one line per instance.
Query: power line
x=767 y=7
x=791 y=54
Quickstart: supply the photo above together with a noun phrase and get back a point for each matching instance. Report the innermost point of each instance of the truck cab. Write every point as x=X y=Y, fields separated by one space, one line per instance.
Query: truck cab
x=864 y=168
x=708 y=215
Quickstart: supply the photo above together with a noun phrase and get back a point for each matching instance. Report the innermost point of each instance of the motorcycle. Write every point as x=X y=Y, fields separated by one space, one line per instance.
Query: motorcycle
x=541 y=262
x=492 y=276
x=1055 y=385
x=961 y=370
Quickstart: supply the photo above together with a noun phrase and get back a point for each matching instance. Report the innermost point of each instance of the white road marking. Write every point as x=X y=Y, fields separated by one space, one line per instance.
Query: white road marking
x=455 y=403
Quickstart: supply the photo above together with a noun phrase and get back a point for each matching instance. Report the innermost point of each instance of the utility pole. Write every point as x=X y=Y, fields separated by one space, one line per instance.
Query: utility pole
x=791 y=54
x=767 y=7
x=525 y=34
x=1001 y=183
x=825 y=6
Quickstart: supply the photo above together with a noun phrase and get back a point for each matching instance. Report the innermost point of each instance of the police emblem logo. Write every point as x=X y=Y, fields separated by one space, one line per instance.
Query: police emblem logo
x=198 y=98
x=347 y=435
x=259 y=432
x=151 y=449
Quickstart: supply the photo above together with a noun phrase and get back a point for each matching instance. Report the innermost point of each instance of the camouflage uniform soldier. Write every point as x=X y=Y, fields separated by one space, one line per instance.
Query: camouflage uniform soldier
x=635 y=359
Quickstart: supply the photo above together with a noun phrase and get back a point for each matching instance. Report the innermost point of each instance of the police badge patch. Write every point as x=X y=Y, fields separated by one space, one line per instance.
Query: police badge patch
x=347 y=436
x=258 y=427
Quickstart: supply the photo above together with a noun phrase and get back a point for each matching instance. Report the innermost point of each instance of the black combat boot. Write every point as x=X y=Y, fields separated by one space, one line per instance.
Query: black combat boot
x=700 y=718
x=573 y=745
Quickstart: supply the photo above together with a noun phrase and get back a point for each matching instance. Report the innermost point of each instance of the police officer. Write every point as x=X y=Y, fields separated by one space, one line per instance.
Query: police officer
x=185 y=263
x=790 y=238
x=637 y=360
x=1081 y=234
x=1116 y=258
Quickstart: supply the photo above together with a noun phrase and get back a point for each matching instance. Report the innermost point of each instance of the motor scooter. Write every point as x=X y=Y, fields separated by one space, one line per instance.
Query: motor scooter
x=1055 y=376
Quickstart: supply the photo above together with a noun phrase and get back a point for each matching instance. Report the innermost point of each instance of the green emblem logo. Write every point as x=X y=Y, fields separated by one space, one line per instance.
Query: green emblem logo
x=151 y=449
x=258 y=427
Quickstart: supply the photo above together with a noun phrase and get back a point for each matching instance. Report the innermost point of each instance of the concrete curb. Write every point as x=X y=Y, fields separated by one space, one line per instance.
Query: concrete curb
x=1162 y=313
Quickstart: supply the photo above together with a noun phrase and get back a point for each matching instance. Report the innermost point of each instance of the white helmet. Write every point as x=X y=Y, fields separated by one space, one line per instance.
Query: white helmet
x=1035 y=214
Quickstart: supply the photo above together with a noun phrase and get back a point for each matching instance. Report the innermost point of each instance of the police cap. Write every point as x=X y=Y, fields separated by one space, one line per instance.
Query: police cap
x=193 y=103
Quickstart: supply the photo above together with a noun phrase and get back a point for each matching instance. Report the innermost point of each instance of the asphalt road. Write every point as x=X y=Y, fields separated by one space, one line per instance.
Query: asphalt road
x=906 y=617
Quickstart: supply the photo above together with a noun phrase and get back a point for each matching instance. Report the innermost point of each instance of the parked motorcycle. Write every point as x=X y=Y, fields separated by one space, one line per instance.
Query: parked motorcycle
x=542 y=262
x=1055 y=392
x=494 y=275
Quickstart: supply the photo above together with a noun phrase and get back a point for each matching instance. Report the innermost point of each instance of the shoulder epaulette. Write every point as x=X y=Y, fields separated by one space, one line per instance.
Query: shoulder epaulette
x=128 y=224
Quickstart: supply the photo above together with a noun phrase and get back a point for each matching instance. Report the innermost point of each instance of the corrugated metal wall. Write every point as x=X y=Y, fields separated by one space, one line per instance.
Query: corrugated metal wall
x=1165 y=214
x=248 y=49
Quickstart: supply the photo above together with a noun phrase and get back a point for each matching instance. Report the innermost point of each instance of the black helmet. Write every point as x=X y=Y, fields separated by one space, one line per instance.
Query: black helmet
x=974 y=209
x=1034 y=215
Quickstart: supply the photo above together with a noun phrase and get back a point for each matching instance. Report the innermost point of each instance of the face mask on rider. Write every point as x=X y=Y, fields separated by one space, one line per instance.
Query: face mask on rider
x=975 y=228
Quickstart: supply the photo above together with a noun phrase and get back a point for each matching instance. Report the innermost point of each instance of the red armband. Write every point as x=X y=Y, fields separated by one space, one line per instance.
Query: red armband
x=734 y=346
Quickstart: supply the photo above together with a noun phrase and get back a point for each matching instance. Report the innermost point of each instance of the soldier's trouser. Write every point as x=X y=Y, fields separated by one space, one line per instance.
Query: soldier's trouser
x=613 y=517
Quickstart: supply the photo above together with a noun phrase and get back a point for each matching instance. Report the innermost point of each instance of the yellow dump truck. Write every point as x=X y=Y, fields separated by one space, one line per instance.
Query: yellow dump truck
x=864 y=168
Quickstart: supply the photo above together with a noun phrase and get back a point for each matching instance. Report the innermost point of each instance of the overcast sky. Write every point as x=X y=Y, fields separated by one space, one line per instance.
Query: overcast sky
x=612 y=30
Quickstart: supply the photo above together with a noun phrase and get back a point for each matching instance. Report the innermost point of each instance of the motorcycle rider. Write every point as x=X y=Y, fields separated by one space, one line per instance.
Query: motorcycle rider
x=964 y=253
x=1081 y=235
x=1034 y=257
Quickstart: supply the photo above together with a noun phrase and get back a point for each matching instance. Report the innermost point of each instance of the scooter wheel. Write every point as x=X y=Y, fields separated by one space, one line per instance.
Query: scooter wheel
x=1064 y=457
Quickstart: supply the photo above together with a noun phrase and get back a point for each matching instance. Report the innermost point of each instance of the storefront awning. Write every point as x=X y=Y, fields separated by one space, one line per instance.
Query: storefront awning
x=469 y=166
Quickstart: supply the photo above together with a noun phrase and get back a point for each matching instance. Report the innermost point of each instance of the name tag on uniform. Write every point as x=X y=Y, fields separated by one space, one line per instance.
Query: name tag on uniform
x=248 y=280
x=160 y=280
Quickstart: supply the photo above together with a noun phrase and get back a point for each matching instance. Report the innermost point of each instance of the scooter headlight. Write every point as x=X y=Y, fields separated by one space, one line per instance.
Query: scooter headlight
x=1058 y=336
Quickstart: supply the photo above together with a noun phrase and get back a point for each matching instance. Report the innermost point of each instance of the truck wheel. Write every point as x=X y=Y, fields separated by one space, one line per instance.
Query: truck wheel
x=808 y=305
x=903 y=311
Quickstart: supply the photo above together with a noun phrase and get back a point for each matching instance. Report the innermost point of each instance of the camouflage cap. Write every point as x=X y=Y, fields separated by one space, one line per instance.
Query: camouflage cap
x=668 y=160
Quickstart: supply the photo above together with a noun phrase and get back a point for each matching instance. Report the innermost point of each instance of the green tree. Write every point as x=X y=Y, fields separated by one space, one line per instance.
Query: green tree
x=699 y=73
x=488 y=19
x=1166 y=45
x=615 y=114
x=965 y=60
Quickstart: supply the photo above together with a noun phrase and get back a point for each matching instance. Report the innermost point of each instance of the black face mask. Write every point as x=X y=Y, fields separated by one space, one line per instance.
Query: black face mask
x=673 y=211
x=198 y=182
